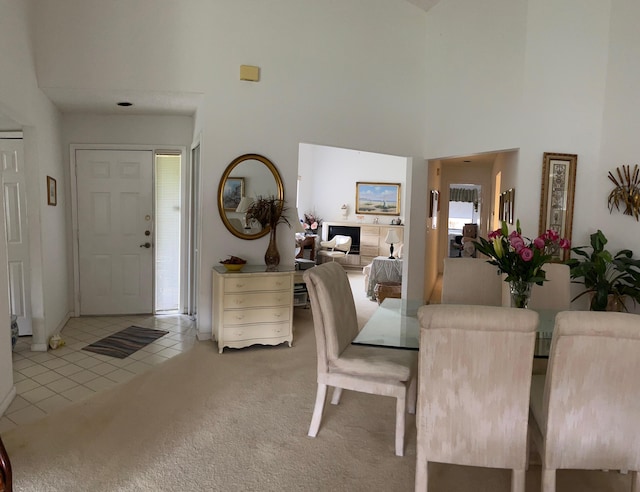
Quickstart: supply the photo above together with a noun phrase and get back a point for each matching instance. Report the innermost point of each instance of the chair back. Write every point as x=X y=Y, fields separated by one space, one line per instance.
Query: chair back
x=473 y=384
x=343 y=243
x=471 y=281
x=554 y=293
x=592 y=392
x=335 y=320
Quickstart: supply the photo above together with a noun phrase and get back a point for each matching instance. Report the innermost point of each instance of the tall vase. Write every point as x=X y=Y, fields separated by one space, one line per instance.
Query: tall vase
x=520 y=291
x=272 y=256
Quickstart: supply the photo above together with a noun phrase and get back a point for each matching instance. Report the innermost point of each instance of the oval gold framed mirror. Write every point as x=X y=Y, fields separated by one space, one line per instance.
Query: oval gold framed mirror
x=245 y=178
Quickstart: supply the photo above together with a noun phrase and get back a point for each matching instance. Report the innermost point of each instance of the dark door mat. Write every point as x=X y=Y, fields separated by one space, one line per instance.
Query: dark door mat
x=125 y=342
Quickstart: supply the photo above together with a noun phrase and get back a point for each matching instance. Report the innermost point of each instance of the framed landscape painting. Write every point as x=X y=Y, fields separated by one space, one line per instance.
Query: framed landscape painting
x=232 y=193
x=377 y=198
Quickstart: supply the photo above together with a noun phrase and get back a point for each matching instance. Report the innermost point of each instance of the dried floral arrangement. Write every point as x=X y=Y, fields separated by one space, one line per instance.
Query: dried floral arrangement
x=627 y=191
x=268 y=211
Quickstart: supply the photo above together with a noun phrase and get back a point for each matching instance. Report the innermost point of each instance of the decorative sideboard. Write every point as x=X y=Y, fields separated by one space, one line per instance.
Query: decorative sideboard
x=367 y=243
x=252 y=306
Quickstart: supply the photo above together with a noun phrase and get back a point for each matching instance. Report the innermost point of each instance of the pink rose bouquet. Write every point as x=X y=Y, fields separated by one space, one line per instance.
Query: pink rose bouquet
x=519 y=257
x=311 y=223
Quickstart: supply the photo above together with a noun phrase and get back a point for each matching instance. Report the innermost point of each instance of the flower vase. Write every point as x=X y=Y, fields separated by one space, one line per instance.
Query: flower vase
x=272 y=256
x=520 y=291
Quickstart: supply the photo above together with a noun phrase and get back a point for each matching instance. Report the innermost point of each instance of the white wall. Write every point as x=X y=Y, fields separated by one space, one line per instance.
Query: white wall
x=328 y=177
x=23 y=102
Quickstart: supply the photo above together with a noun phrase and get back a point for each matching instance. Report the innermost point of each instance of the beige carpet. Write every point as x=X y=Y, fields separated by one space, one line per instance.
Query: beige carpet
x=238 y=422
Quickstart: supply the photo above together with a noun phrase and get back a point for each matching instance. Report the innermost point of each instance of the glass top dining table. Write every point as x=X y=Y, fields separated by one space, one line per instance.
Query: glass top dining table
x=395 y=325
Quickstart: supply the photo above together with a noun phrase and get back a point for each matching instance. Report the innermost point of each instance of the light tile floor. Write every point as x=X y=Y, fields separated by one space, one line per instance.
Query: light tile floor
x=48 y=381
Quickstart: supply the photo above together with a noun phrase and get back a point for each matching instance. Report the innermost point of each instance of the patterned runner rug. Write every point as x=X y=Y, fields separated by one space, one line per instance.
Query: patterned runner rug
x=125 y=342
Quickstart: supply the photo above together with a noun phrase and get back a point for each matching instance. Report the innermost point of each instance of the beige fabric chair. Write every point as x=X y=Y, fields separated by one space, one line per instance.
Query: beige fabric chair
x=471 y=281
x=338 y=247
x=473 y=388
x=584 y=415
x=375 y=370
x=554 y=293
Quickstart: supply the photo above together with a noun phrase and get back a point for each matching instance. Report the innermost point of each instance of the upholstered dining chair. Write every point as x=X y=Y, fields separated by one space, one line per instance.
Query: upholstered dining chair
x=474 y=376
x=471 y=281
x=554 y=293
x=338 y=247
x=374 y=370
x=6 y=484
x=584 y=413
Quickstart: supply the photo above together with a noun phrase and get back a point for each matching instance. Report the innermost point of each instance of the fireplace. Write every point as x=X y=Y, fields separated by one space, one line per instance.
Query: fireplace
x=352 y=231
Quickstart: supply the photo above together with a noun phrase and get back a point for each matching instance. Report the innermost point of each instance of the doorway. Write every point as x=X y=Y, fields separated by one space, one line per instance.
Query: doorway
x=12 y=172
x=129 y=227
x=464 y=209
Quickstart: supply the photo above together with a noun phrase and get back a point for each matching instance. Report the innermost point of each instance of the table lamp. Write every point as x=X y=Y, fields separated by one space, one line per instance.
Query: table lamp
x=298 y=226
x=392 y=237
x=242 y=208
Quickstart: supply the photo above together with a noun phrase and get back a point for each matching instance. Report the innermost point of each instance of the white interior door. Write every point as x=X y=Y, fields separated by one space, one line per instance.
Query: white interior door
x=115 y=231
x=15 y=222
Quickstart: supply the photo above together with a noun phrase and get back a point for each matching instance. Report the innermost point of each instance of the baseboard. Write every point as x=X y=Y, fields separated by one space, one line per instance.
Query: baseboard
x=203 y=336
x=4 y=404
x=43 y=347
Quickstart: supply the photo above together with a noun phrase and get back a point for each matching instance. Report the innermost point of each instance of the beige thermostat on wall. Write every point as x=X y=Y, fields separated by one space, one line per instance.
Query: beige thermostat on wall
x=250 y=73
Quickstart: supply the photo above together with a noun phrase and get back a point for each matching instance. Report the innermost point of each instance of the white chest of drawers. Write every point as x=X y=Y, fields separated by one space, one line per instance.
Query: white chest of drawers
x=252 y=306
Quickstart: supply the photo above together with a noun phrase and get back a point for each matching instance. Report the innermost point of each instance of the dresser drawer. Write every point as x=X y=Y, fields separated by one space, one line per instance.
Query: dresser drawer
x=247 y=316
x=249 y=284
x=258 y=299
x=256 y=332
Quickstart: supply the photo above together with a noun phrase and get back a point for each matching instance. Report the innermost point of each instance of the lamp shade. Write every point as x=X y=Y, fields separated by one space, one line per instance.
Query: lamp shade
x=298 y=225
x=244 y=204
x=392 y=237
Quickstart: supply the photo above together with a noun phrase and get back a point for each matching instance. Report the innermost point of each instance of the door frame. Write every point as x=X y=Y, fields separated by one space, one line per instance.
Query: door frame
x=156 y=149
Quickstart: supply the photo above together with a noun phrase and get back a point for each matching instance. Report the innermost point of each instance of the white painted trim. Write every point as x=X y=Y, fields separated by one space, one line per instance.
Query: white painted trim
x=39 y=347
x=4 y=404
x=12 y=135
x=74 y=201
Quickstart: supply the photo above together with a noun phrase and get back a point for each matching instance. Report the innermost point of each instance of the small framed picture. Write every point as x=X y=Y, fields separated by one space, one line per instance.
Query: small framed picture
x=232 y=193
x=52 y=191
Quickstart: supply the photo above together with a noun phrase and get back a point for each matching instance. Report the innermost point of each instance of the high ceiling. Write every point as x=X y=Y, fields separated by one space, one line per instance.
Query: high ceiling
x=99 y=101
x=424 y=4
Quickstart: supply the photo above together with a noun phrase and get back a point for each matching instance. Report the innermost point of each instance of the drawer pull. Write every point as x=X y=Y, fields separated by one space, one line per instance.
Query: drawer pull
x=240 y=285
x=239 y=316
x=277 y=315
x=239 y=301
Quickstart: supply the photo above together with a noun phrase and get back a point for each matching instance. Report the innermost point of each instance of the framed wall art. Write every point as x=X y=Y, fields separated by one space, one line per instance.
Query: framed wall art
x=377 y=198
x=556 y=199
x=52 y=191
x=434 y=207
x=506 y=209
x=232 y=193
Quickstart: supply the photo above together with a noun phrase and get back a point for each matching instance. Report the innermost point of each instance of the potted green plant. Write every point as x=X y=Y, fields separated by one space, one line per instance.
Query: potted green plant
x=609 y=279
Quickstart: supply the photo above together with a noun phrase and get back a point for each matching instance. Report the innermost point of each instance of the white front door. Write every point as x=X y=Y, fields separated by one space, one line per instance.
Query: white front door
x=115 y=231
x=15 y=222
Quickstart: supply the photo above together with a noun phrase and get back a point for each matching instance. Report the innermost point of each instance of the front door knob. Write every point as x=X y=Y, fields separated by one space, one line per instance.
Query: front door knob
x=145 y=245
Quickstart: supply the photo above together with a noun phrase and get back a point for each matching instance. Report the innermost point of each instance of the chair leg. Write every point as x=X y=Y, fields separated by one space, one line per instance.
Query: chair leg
x=634 y=482
x=337 y=393
x=400 y=409
x=548 y=480
x=422 y=475
x=413 y=395
x=321 y=395
x=517 y=480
